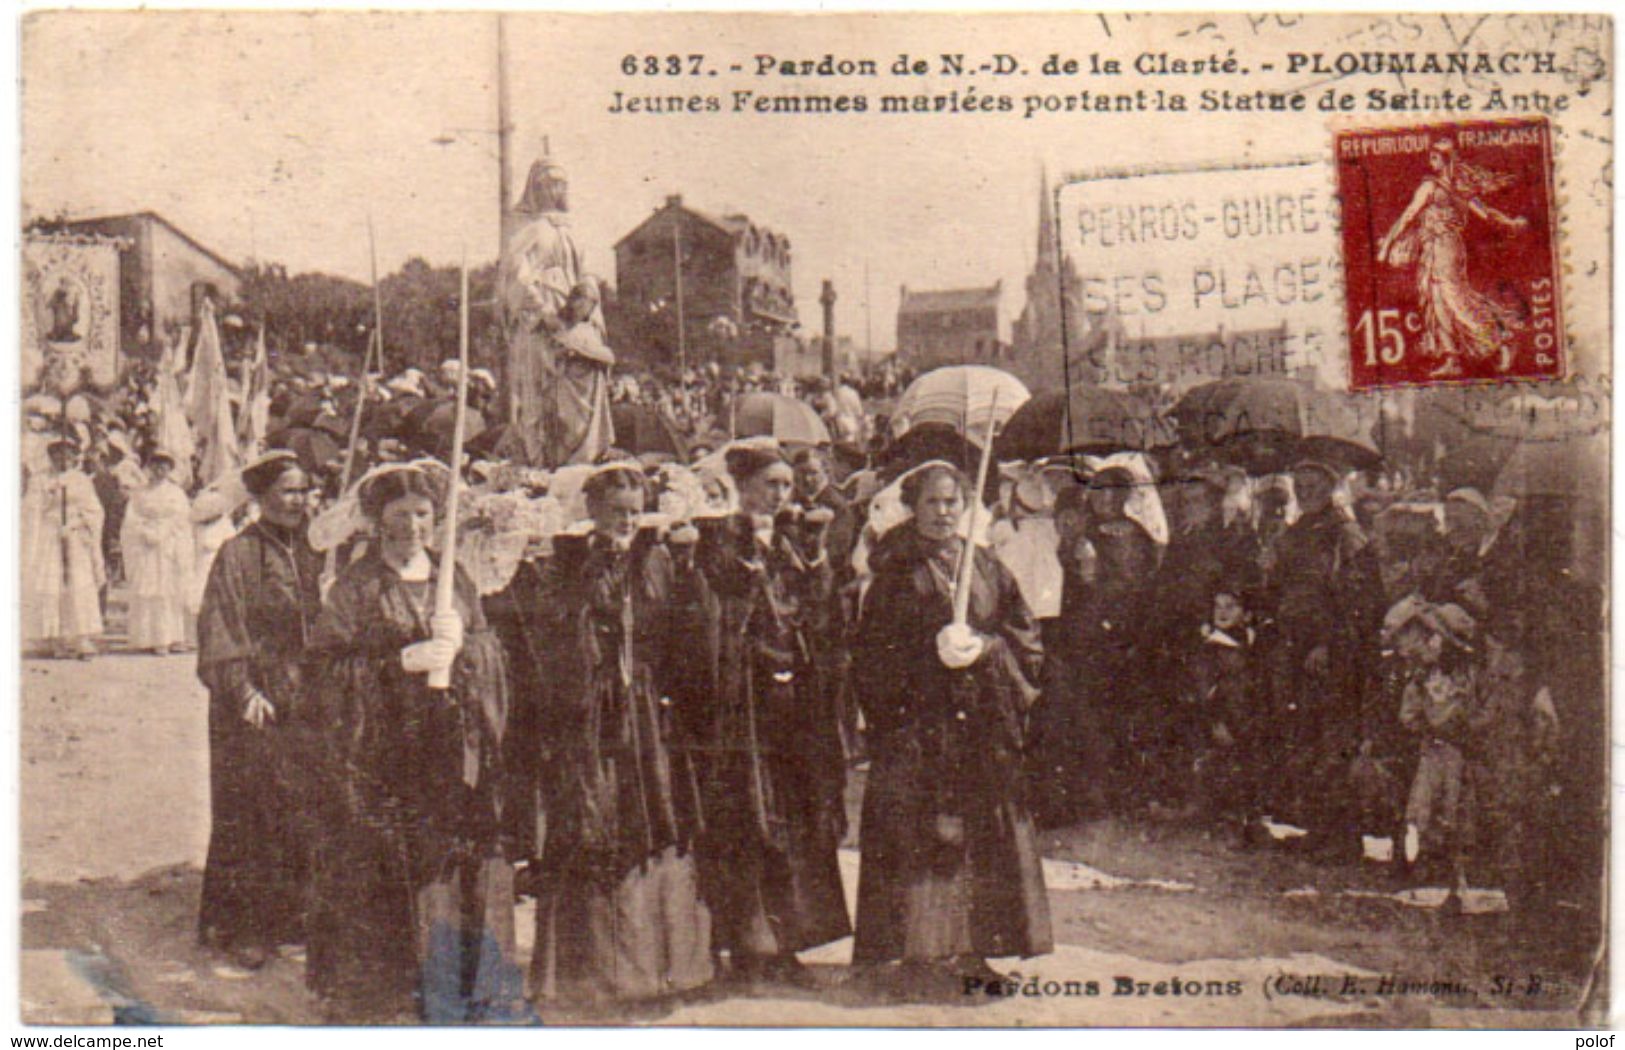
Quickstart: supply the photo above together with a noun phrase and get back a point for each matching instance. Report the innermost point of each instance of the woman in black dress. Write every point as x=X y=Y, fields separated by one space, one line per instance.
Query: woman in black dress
x=951 y=872
x=413 y=903
x=259 y=607
x=765 y=727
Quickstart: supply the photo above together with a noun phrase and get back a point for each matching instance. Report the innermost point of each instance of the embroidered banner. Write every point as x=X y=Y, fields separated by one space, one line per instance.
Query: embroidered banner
x=70 y=313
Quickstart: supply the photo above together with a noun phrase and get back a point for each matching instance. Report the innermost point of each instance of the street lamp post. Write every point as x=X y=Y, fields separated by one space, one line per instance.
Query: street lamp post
x=827 y=298
x=677 y=272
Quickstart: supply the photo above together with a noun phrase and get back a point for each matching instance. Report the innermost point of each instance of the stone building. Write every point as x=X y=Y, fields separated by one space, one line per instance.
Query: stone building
x=1036 y=344
x=733 y=289
x=955 y=326
x=164 y=275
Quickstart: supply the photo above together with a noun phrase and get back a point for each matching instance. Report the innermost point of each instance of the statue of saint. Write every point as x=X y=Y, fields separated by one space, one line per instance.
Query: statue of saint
x=63 y=307
x=541 y=268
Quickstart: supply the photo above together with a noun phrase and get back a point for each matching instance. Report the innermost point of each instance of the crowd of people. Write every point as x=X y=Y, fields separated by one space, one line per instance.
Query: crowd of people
x=697 y=399
x=652 y=726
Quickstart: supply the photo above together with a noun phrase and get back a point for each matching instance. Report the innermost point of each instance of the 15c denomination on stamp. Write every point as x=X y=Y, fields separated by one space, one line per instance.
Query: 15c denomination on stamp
x=1450 y=253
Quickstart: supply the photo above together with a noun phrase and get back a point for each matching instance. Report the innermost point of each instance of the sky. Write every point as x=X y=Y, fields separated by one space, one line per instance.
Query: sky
x=275 y=135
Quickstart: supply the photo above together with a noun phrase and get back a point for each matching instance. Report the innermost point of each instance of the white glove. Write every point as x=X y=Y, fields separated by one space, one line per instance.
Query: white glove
x=448 y=627
x=258 y=710
x=436 y=654
x=958 y=646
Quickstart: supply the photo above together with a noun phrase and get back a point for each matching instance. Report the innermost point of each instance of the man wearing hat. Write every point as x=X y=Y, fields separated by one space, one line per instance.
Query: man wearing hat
x=1203 y=551
x=1469 y=536
x=62 y=563
x=1325 y=590
x=814 y=491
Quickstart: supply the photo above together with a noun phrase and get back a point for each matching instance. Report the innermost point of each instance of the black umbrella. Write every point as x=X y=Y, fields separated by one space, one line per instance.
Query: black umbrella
x=1265 y=423
x=644 y=429
x=1091 y=419
x=431 y=426
x=929 y=441
x=316 y=449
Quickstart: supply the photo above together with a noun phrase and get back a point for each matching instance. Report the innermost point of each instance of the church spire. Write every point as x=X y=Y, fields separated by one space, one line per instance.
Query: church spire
x=1049 y=254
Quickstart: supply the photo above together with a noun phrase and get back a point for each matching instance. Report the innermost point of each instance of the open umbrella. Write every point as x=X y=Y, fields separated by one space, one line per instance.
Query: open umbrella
x=644 y=429
x=960 y=396
x=1091 y=419
x=315 y=448
x=1265 y=423
x=502 y=441
x=763 y=414
x=433 y=425
x=1573 y=468
x=1562 y=491
x=389 y=418
x=301 y=410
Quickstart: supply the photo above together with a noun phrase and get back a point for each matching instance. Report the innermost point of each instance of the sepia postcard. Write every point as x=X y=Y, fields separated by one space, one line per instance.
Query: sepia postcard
x=815 y=520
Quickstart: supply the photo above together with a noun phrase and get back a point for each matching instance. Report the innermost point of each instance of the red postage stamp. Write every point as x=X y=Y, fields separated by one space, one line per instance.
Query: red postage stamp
x=1450 y=253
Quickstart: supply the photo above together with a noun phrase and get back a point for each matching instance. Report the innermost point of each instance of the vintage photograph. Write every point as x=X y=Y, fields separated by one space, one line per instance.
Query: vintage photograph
x=838 y=520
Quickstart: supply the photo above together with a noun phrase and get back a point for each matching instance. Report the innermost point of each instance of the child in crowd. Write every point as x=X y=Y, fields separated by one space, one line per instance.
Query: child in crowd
x=1439 y=707
x=1214 y=747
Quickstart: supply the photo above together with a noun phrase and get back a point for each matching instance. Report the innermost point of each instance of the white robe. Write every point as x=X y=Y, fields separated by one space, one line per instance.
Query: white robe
x=158 y=564
x=62 y=569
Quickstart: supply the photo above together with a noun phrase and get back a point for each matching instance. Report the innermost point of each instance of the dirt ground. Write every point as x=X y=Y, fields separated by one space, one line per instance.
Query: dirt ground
x=115 y=829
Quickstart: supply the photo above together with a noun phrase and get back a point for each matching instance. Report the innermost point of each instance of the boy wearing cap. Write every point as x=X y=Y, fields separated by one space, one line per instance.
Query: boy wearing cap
x=1217 y=760
x=1438 y=706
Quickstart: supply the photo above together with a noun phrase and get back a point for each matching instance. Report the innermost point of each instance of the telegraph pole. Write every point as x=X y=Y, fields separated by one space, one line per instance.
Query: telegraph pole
x=677 y=271
x=504 y=135
x=868 y=320
x=827 y=298
x=502 y=359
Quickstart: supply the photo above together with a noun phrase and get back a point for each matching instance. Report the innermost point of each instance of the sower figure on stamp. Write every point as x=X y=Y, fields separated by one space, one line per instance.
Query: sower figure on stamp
x=951 y=872
x=766 y=730
x=618 y=913
x=1457 y=318
x=259 y=607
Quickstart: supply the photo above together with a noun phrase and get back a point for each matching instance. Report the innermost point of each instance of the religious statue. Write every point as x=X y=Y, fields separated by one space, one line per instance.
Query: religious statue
x=559 y=394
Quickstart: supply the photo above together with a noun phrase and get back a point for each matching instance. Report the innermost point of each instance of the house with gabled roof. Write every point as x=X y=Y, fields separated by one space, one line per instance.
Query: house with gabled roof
x=726 y=277
x=952 y=326
x=164 y=274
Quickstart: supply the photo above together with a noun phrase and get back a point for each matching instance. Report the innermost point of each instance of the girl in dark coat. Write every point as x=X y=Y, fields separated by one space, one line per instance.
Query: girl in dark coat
x=951 y=873
x=766 y=728
x=413 y=895
x=619 y=916
x=259 y=607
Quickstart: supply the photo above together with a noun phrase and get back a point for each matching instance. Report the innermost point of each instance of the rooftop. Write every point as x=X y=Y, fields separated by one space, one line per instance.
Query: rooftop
x=93 y=222
x=946 y=299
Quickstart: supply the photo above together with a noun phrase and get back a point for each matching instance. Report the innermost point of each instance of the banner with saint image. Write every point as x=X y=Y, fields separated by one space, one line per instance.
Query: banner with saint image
x=70 y=313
